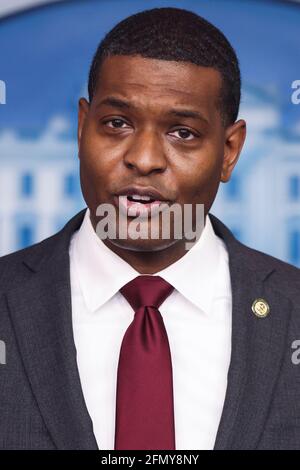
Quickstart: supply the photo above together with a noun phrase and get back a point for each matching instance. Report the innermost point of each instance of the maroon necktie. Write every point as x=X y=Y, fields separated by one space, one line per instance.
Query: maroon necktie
x=144 y=407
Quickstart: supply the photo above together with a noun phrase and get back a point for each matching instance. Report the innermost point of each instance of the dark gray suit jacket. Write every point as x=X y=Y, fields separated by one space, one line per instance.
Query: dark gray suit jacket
x=41 y=401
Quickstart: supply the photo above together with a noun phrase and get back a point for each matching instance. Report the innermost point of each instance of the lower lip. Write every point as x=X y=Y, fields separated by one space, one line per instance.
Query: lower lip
x=138 y=209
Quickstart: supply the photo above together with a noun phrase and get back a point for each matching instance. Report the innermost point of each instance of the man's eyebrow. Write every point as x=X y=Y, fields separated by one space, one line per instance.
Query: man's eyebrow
x=123 y=104
x=187 y=113
x=115 y=103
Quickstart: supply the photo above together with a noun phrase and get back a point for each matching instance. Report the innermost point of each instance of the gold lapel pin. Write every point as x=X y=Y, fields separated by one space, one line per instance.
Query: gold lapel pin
x=260 y=308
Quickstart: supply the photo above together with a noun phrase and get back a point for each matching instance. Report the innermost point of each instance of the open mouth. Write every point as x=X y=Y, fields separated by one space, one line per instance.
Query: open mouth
x=141 y=199
x=137 y=205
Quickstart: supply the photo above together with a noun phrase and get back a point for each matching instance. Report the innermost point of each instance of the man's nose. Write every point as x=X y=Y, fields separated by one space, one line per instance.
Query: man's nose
x=146 y=153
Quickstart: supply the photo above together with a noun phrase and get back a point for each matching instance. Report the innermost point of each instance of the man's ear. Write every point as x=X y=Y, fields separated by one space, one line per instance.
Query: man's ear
x=234 y=140
x=83 y=108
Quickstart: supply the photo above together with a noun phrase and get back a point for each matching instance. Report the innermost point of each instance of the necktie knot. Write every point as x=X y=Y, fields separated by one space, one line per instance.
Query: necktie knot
x=146 y=291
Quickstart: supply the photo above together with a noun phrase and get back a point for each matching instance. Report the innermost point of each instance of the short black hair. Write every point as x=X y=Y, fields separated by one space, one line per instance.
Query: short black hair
x=179 y=35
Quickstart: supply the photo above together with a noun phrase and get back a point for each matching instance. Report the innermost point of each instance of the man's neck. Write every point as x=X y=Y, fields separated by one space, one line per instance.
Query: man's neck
x=150 y=262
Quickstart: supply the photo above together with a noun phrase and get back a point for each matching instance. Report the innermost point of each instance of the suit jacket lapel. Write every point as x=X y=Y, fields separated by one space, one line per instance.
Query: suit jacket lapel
x=40 y=309
x=258 y=345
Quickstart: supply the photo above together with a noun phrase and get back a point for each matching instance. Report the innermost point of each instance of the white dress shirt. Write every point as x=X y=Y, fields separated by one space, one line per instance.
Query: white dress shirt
x=197 y=317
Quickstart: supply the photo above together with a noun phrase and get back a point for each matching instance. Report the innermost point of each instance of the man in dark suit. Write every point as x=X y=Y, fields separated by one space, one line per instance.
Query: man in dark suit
x=139 y=343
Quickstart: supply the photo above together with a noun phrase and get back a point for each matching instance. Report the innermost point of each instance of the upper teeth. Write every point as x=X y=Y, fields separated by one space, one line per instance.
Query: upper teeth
x=138 y=197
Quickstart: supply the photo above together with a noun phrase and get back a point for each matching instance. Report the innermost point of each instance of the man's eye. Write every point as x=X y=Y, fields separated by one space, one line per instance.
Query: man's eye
x=184 y=134
x=115 y=123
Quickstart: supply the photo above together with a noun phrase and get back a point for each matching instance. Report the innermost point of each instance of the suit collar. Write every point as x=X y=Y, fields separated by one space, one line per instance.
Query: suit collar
x=50 y=249
x=240 y=255
x=40 y=308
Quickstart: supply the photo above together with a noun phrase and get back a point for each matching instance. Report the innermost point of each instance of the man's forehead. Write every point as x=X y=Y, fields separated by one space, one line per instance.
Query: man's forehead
x=144 y=94
x=158 y=77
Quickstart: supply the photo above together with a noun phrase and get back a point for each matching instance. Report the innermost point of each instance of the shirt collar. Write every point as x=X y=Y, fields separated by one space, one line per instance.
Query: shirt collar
x=102 y=272
x=195 y=274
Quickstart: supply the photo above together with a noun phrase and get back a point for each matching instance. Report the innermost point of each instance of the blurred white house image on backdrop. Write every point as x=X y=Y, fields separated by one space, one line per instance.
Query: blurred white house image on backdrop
x=39 y=177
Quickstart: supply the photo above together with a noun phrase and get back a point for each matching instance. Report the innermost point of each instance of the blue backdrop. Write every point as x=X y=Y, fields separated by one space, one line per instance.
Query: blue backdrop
x=44 y=61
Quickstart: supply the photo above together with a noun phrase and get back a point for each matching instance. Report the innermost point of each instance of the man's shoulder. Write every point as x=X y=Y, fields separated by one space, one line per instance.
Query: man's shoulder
x=281 y=268
x=15 y=256
x=12 y=264
x=14 y=267
x=281 y=274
